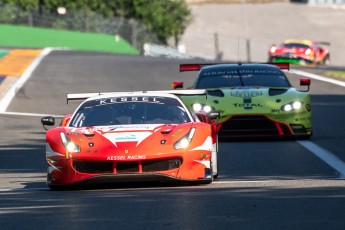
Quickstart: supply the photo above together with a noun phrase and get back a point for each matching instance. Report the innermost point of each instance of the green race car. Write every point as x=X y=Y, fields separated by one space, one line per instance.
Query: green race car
x=254 y=100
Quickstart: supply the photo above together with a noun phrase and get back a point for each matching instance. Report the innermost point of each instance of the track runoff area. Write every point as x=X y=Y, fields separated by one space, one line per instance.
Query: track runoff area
x=323 y=154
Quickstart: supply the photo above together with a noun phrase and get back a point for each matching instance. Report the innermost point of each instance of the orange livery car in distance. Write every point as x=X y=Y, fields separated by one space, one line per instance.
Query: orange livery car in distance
x=300 y=52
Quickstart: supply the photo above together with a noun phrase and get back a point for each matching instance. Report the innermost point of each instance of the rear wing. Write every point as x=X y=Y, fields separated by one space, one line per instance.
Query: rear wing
x=186 y=92
x=323 y=43
x=197 y=67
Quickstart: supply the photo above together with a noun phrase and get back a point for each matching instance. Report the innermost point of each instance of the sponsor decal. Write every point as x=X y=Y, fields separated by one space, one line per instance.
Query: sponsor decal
x=247 y=105
x=131 y=128
x=247 y=100
x=74 y=133
x=203 y=156
x=242 y=72
x=126 y=137
x=302 y=119
x=129 y=99
x=245 y=94
x=123 y=157
x=177 y=132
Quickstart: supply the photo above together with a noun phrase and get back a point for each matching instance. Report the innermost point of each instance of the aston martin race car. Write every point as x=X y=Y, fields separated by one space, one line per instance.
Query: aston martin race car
x=131 y=136
x=300 y=52
x=254 y=100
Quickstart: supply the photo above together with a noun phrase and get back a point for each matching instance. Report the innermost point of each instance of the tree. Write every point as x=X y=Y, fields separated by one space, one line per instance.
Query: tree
x=166 y=18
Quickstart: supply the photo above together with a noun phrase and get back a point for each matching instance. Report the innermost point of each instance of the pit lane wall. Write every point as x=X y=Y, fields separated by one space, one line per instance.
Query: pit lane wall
x=31 y=37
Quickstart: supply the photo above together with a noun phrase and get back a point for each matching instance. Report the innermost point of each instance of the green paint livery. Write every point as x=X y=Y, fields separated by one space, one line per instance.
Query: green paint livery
x=258 y=106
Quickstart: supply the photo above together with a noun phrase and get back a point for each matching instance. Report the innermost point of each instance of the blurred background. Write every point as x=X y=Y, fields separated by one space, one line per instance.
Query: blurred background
x=222 y=30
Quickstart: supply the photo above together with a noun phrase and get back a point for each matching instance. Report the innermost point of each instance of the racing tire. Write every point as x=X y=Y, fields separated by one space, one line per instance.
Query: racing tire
x=215 y=176
x=326 y=60
x=305 y=137
x=54 y=187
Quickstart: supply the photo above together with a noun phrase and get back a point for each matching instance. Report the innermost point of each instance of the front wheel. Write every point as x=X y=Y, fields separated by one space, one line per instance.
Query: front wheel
x=326 y=60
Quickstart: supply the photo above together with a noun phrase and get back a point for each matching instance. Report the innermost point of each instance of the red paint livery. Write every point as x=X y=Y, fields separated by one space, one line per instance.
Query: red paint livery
x=300 y=52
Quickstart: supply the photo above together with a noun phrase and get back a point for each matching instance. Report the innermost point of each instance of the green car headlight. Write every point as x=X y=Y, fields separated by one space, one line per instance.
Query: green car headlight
x=70 y=146
x=185 y=140
x=292 y=106
x=207 y=108
x=197 y=107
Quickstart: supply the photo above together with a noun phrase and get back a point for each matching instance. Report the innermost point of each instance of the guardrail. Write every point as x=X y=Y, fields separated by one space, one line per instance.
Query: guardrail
x=154 y=50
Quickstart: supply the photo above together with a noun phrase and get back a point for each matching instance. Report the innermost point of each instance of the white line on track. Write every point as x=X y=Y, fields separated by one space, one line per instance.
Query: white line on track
x=23 y=189
x=318 y=77
x=31 y=114
x=326 y=156
x=6 y=100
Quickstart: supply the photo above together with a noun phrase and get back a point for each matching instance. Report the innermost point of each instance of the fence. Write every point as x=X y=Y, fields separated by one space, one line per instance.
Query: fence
x=85 y=21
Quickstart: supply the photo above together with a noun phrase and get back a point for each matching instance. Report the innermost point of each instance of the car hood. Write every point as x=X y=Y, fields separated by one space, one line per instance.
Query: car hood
x=297 y=51
x=243 y=100
x=106 y=142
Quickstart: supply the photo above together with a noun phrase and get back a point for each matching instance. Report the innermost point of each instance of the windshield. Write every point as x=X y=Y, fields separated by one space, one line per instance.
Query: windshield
x=241 y=77
x=130 y=110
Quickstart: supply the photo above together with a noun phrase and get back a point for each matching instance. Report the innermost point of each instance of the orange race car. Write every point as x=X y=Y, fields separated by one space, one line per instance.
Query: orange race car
x=131 y=136
x=300 y=52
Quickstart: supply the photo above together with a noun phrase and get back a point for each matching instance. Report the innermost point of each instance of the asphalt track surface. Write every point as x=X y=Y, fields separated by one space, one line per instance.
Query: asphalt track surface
x=262 y=185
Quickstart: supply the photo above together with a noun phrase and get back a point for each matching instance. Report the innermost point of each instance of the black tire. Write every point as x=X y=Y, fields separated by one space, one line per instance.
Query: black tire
x=326 y=60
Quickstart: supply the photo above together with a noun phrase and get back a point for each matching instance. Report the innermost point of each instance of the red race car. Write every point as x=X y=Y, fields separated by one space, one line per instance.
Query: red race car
x=131 y=136
x=300 y=52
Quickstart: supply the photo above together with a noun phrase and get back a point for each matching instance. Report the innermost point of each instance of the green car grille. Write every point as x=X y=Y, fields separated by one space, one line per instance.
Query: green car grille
x=252 y=126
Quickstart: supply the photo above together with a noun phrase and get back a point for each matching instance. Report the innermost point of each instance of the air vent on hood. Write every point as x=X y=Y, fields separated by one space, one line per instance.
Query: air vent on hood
x=215 y=93
x=275 y=91
x=89 y=135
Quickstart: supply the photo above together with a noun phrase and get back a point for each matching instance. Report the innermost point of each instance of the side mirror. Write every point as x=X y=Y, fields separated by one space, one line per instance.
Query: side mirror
x=305 y=82
x=47 y=121
x=177 y=84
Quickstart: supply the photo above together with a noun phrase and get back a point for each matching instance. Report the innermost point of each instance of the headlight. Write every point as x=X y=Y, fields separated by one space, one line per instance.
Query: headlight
x=185 y=140
x=70 y=146
x=273 y=49
x=287 y=107
x=197 y=107
x=292 y=106
x=207 y=108
x=296 y=105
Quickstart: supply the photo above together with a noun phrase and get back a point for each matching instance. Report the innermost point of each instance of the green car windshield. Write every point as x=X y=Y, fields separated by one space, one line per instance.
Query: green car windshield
x=241 y=76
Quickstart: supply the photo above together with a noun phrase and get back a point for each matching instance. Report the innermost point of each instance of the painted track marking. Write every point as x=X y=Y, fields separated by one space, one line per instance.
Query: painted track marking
x=31 y=114
x=326 y=156
x=6 y=100
x=318 y=77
